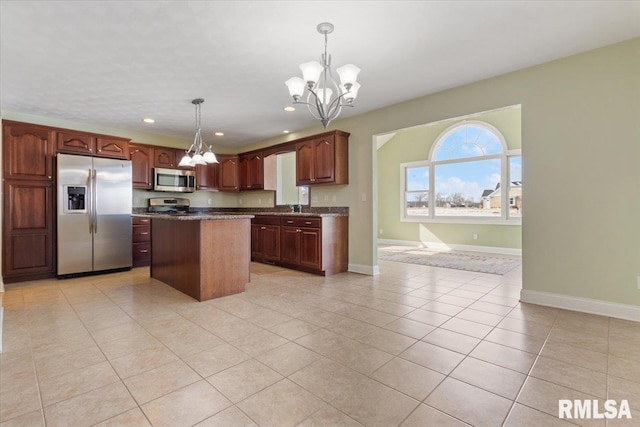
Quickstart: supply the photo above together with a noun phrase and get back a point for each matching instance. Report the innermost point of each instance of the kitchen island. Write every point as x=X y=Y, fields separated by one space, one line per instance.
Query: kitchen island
x=202 y=255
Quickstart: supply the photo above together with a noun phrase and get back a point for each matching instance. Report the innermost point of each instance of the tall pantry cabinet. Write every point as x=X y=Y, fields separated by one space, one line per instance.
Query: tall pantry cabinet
x=28 y=238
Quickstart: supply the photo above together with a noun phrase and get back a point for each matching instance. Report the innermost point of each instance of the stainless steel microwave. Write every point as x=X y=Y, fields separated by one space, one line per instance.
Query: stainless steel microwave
x=174 y=180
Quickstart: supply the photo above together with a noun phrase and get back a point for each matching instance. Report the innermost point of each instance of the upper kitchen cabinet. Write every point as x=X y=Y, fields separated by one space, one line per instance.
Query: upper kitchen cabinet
x=165 y=157
x=229 y=177
x=114 y=148
x=251 y=171
x=89 y=144
x=141 y=157
x=208 y=177
x=28 y=151
x=323 y=159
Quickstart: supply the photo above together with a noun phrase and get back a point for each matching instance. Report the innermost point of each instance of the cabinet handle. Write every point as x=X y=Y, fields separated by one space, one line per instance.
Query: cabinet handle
x=289 y=222
x=298 y=231
x=49 y=177
x=263 y=228
x=144 y=251
x=146 y=232
x=308 y=222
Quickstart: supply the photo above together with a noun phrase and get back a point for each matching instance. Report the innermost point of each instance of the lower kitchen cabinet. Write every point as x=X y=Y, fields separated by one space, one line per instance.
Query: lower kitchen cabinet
x=265 y=238
x=28 y=231
x=141 y=241
x=314 y=244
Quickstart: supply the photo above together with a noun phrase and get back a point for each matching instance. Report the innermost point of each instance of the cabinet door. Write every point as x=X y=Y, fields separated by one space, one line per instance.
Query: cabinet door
x=255 y=172
x=207 y=177
x=164 y=157
x=256 y=241
x=251 y=172
x=323 y=159
x=141 y=157
x=115 y=148
x=28 y=245
x=270 y=239
x=304 y=163
x=290 y=241
x=76 y=143
x=310 y=244
x=28 y=151
x=229 y=173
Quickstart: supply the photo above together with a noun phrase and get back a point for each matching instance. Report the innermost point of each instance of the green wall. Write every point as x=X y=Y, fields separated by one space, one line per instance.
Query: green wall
x=414 y=144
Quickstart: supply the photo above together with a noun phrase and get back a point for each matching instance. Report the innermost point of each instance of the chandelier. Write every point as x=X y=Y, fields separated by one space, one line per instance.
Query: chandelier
x=325 y=97
x=198 y=146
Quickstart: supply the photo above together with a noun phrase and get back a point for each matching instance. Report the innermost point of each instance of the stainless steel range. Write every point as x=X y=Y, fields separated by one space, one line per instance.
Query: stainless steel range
x=169 y=205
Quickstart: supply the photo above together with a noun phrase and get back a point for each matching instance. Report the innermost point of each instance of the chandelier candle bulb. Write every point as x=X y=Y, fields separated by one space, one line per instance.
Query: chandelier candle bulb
x=325 y=97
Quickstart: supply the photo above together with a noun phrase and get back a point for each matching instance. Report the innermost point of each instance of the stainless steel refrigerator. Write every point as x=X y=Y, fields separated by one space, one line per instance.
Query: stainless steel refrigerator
x=94 y=214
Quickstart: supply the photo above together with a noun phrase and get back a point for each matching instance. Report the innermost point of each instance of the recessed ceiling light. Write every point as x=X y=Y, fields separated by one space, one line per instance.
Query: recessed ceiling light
x=285 y=131
x=289 y=108
x=148 y=120
x=219 y=134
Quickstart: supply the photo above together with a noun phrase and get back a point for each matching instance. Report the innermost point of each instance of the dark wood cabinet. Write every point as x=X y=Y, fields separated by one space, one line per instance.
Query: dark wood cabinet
x=112 y=147
x=75 y=142
x=141 y=157
x=89 y=144
x=229 y=176
x=141 y=241
x=164 y=157
x=207 y=177
x=28 y=247
x=265 y=238
x=28 y=151
x=28 y=229
x=323 y=159
x=301 y=241
x=251 y=171
x=314 y=244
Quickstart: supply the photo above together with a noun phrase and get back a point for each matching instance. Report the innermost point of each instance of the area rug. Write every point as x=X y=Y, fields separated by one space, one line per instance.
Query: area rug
x=481 y=263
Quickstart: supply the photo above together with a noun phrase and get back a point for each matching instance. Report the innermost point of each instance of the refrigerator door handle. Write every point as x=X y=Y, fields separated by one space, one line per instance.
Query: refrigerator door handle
x=90 y=200
x=94 y=207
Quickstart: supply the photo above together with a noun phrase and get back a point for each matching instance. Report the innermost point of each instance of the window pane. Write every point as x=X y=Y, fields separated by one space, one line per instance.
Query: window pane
x=515 y=187
x=468 y=189
x=418 y=178
x=417 y=203
x=468 y=141
x=417 y=191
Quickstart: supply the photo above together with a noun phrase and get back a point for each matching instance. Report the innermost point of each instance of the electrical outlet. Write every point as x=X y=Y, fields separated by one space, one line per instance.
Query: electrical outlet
x=475 y=236
x=326 y=198
x=209 y=202
x=381 y=231
x=136 y=200
x=364 y=197
x=240 y=201
x=259 y=201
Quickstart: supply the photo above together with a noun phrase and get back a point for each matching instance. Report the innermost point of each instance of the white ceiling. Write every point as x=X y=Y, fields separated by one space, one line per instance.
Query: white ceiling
x=114 y=62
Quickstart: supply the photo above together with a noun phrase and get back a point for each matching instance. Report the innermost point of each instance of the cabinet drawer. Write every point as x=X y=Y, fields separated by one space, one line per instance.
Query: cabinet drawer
x=302 y=222
x=141 y=233
x=141 y=254
x=266 y=220
x=138 y=220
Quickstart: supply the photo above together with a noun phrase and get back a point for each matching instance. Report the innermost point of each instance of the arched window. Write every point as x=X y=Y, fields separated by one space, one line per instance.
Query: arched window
x=463 y=177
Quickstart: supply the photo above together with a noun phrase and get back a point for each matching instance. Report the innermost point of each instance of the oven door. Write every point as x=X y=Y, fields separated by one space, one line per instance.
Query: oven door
x=174 y=180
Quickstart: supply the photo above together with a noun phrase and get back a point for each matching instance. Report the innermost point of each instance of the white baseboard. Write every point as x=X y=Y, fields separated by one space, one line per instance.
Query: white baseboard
x=453 y=247
x=371 y=270
x=585 y=305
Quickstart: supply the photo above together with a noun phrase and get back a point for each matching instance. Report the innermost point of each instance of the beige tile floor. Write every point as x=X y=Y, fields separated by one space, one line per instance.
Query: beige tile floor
x=414 y=346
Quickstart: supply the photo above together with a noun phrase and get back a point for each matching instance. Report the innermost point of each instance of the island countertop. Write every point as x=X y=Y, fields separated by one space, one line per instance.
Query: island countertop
x=196 y=216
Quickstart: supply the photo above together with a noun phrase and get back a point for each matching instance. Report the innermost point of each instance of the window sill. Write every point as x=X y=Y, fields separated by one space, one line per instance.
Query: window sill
x=463 y=220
